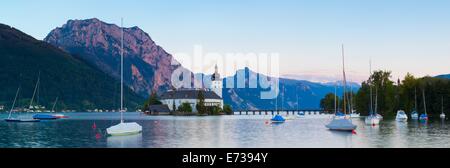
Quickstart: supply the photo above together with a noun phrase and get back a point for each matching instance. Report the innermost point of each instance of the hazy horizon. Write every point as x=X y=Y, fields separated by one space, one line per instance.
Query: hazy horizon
x=402 y=36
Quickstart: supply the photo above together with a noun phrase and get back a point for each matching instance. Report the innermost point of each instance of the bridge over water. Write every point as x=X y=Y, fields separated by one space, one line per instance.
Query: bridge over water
x=281 y=112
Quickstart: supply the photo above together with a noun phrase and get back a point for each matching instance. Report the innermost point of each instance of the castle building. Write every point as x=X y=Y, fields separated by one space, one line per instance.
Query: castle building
x=216 y=82
x=212 y=94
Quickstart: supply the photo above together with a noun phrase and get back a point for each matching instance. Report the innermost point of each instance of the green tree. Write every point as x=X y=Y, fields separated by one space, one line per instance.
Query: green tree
x=185 y=107
x=227 y=109
x=152 y=100
x=328 y=102
x=201 y=108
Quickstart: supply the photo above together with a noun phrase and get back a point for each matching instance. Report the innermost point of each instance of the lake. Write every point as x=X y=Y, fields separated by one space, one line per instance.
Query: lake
x=88 y=130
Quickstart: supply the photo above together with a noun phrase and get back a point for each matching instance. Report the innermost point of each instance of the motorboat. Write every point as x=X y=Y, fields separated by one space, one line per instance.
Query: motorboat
x=414 y=115
x=401 y=116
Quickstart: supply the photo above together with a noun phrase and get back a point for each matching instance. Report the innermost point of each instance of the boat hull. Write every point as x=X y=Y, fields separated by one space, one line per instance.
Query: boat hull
x=44 y=117
x=22 y=120
x=124 y=129
x=370 y=120
x=339 y=124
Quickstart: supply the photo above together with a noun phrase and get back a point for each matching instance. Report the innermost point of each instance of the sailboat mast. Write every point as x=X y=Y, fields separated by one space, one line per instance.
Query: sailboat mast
x=370 y=85
x=121 y=73
x=35 y=88
x=424 y=102
x=54 y=104
x=14 y=103
x=345 y=80
x=415 y=99
x=335 y=98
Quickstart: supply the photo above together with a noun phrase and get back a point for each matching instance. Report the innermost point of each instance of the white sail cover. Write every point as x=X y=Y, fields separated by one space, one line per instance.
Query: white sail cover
x=124 y=129
x=341 y=124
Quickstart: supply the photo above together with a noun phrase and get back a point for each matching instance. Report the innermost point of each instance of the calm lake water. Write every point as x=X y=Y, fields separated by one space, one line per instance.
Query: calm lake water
x=219 y=132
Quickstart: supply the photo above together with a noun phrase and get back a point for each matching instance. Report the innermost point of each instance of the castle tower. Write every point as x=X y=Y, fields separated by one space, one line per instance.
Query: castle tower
x=216 y=82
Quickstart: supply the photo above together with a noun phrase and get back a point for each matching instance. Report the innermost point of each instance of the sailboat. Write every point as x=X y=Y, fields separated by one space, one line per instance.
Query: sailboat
x=353 y=113
x=442 y=116
x=373 y=118
x=277 y=118
x=424 y=116
x=11 y=119
x=414 y=114
x=339 y=123
x=300 y=113
x=123 y=128
x=53 y=111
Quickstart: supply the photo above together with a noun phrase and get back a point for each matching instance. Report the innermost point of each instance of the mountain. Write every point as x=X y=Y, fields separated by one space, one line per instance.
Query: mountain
x=293 y=93
x=147 y=66
x=77 y=84
x=447 y=76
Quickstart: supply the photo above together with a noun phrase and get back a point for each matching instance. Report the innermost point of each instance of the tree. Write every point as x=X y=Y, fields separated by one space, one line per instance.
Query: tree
x=185 y=107
x=201 y=108
x=152 y=100
x=227 y=109
x=328 y=102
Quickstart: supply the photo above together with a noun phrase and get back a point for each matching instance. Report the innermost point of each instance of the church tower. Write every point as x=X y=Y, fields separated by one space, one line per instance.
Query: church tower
x=216 y=82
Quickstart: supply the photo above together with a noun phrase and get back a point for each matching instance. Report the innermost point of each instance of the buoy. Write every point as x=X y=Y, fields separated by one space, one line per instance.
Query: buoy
x=353 y=132
x=94 y=126
x=98 y=136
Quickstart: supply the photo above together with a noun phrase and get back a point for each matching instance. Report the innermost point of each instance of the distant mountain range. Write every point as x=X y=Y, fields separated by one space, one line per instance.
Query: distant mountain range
x=77 y=84
x=447 y=76
x=293 y=93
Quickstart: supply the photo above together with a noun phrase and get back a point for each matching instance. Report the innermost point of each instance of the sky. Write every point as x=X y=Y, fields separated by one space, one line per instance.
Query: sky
x=397 y=35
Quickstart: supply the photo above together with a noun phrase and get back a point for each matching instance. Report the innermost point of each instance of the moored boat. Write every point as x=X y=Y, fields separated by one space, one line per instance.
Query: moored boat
x=278 y=119
x=123 y=128
x=44 y=117
x=401 y=116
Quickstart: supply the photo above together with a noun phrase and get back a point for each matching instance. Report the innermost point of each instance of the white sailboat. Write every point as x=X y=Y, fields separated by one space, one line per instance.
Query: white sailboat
x=373 y=118
x=353 y=113
x=342 y=123
x=11 y=119
x=424 y=116
x=414 y=114
x=401 y=116
x=123 y=128
x=442 y=116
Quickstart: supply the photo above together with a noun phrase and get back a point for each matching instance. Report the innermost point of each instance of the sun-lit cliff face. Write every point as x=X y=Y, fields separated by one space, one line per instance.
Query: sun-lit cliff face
x=147 y=66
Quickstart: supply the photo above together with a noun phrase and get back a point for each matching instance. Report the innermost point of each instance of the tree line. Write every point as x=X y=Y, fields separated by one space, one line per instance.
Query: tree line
x=389 y=96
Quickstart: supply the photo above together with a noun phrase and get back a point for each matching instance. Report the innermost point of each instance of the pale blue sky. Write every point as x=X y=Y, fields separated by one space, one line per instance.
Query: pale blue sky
x=399 y=35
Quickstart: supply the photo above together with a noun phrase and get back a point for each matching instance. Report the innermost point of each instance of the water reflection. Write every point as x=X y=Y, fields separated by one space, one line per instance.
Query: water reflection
x=130 y=141
x=220 y=132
